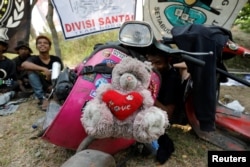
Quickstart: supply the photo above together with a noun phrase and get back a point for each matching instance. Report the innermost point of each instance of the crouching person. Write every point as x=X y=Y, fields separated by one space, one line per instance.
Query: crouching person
x=168 y=99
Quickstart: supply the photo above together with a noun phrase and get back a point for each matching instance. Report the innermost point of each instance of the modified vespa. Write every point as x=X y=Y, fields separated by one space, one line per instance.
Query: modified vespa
x=65 y=128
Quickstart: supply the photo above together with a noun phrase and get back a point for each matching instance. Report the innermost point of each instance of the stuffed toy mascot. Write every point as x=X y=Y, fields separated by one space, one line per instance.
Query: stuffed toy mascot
x=125 y=107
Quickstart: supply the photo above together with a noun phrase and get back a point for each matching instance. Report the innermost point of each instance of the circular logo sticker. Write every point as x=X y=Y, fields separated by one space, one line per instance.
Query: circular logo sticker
x=165 y=14
x=110 y=63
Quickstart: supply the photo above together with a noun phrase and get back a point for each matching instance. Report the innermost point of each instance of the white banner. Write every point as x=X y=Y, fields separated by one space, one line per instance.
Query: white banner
x=84 y=17
x=164 y=14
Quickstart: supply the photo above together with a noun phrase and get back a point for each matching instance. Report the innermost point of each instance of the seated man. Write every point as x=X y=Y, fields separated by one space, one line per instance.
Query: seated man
x=8 y=81
x=39 y=68
x=23 y=50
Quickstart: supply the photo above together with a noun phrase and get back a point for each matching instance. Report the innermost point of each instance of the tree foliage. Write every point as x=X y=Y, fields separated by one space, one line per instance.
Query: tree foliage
x=243 y=19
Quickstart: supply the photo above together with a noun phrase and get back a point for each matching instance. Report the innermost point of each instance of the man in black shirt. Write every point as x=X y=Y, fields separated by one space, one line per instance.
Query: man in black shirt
x=40 y=69
x=23 y=50
x=7 y=70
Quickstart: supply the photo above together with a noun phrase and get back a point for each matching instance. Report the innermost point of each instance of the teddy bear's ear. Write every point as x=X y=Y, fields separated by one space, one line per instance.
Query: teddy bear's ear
x=148 y=66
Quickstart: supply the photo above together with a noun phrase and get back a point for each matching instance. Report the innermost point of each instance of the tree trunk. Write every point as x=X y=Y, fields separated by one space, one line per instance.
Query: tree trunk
x=49 y=19
x=32 y=30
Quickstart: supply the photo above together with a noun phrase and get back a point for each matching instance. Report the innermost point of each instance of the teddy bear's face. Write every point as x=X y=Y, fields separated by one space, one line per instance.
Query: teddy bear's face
x=131 y=74
x=128 y=81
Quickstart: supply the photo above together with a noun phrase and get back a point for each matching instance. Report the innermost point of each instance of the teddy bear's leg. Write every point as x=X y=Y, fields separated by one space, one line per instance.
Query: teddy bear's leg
x=97 y=120
x=124 y=129
x=150 y=124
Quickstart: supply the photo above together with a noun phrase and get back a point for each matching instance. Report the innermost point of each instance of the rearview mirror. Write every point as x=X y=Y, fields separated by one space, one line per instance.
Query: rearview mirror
x=136 y=33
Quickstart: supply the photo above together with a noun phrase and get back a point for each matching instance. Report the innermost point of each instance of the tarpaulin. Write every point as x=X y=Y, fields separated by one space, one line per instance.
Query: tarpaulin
x=15 y=19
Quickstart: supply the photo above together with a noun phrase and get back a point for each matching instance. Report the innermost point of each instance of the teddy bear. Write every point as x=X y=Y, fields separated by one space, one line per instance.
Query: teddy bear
x=125 y=107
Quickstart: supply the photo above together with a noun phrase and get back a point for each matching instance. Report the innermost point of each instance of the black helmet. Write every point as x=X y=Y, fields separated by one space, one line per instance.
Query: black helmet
x=23 y=44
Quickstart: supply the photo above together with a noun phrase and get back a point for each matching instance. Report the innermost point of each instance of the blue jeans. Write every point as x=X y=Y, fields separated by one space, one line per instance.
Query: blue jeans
x=37 y=84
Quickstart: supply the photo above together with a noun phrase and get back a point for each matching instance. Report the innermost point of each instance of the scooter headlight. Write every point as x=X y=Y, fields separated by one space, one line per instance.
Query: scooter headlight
x=136 y=33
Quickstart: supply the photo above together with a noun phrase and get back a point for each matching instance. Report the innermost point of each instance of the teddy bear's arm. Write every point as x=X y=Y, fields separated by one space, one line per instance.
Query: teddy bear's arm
x=97 y=119
x=150 y=124
x=148 y=100
x=102 y=89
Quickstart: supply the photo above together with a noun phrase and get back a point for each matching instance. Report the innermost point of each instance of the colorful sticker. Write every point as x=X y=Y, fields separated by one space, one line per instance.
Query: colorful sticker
x=100 y=81
x=89 y=77
x=92 y=93
x=106 y=53
x=110 y=63
x=119 y=54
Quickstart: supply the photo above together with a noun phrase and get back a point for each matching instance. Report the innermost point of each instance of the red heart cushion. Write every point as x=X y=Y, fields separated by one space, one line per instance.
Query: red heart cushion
x=122 y=105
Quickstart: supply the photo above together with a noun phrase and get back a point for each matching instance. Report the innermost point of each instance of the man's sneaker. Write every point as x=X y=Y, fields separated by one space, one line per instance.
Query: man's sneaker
x=40 y=102
x=45 y=104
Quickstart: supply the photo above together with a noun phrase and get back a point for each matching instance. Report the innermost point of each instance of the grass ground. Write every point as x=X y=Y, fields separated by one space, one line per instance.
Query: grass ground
x=18 y=150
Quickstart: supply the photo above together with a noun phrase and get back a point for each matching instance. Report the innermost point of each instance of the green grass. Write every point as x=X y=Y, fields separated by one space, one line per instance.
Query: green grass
x=74 y=51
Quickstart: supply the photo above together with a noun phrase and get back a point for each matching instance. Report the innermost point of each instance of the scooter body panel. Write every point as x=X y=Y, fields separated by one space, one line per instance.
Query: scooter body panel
x=226 y=124
x=237 y=122
x=66 y=130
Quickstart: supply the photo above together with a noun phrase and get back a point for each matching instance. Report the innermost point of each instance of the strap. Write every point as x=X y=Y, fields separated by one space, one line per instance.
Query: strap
x=102 y=68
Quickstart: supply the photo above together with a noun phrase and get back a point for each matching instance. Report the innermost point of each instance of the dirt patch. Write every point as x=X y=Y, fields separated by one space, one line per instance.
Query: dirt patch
x=240 y=93
x=241 y=37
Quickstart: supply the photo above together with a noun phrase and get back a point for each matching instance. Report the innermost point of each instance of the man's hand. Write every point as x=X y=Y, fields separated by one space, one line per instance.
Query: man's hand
x=47 y=74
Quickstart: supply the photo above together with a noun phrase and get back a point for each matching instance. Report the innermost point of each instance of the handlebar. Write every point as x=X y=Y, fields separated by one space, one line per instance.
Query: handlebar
x=230 y=47
x=193 y=60
x=185 y=55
